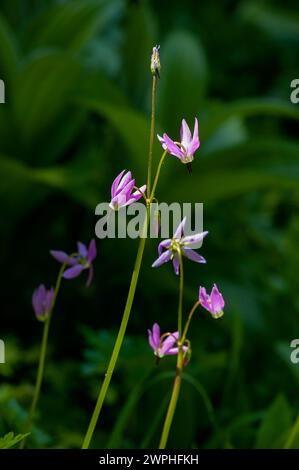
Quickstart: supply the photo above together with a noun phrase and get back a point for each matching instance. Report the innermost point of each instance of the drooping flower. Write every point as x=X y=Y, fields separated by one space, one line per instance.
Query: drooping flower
x=165 y=345
x=170 y=249
x=121 y=191
x=214 y=302
x=155 y=62
x=185 y=149
x=80 y=261
x=42 y=301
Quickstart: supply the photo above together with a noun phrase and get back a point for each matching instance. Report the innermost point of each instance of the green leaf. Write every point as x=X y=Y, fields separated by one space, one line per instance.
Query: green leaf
x=218 y=114
x=183 y=80
x=70 y=25
x=277 y=23
x=238 y=170
x=131 y=126
x=274 y=425
x=10 y=440
x=42 y=91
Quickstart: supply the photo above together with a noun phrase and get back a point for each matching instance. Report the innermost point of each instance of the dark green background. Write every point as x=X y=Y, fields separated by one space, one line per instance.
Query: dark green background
x=77 y=112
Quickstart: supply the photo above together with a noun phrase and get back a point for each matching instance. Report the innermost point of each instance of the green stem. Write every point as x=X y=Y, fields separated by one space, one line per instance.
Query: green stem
x=179 y=367
x=181 y=294
x=119 y=339
x=158 y=174
x=42 y=359
x=152 y=132
x=189 y=320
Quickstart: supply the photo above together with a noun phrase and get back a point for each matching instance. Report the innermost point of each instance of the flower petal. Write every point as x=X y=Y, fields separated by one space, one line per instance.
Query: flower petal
x=82 y=250
x=204 y=299
x=62 y=257
x=172 y=147
x=191 y=254
x=72 y=272
x=176 y=264
x=217 y=300
x=163 y=244
x=156 y=334
x=180 y=230
x=164 y=258
x=194 y=240
x=116 y=183
x=168 y=343
x=92 y=250
x=186 y=137
x=161 y=140
x=126 y=179
x=89 y=276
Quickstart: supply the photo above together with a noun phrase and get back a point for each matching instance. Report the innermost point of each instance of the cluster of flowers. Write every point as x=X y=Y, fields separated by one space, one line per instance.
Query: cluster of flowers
x=123 y=193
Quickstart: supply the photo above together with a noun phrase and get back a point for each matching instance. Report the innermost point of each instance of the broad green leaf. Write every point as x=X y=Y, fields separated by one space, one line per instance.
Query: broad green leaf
x=218 y=114
x=292 y=441
x=131 y=126
x=11 y=439
x=277 y=23
x=241 y=169
x=70 y=25
x=274 y=426
x=183 y=81
x=42 y=91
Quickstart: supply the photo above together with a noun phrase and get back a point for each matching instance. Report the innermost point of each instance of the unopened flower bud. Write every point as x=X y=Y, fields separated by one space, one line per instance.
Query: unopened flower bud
x=155 y=62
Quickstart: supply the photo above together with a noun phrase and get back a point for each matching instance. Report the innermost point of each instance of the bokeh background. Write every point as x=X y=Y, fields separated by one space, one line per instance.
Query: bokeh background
x=77 y=112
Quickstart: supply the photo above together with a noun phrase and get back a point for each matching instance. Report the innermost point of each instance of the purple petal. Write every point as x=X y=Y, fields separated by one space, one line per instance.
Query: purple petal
x=126 y=179
x=138 y=194
x=217 y=300
x=73 y=271
x=82 y=250
x=162 y=142
x=193 y=240
x=38 y=297
x=172 y=147
x=116 y=183
x=176 y=264
x=175 y=350
x=204 y=299
x=164 y=244
x=191 y=254
x=90 y=276
x=180 y=230
x=49 y=299
x=62 y=257
x=150 y=340
x=156 y=334
x=92 y=250
x=186 y=137
x=195 y=140
x=168 y=343
x=164 y=258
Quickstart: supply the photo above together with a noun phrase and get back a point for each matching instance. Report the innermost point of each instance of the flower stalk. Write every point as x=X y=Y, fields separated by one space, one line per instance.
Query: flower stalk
x=42 y=359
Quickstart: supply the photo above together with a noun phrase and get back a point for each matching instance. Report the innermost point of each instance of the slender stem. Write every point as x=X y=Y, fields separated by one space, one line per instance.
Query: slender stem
x=173 y=401
x=42 y=359
x=189 y=320
x=119 y=339
x=152 y=132
x=158 y=174
x=181 y=294
x=179 y=367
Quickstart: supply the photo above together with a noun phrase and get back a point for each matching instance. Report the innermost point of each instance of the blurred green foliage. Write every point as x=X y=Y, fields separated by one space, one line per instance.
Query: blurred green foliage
x=76 y=113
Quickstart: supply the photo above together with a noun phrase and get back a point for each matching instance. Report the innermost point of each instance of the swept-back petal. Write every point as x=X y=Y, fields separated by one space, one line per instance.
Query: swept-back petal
x=72 y=272
x=186 y=137
x=193 y=256
x=164 y=258
x=92 y=250
x=164 y=244
x=180 y=230
x=116 y=183
x=172 y=147
x=82 y=249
